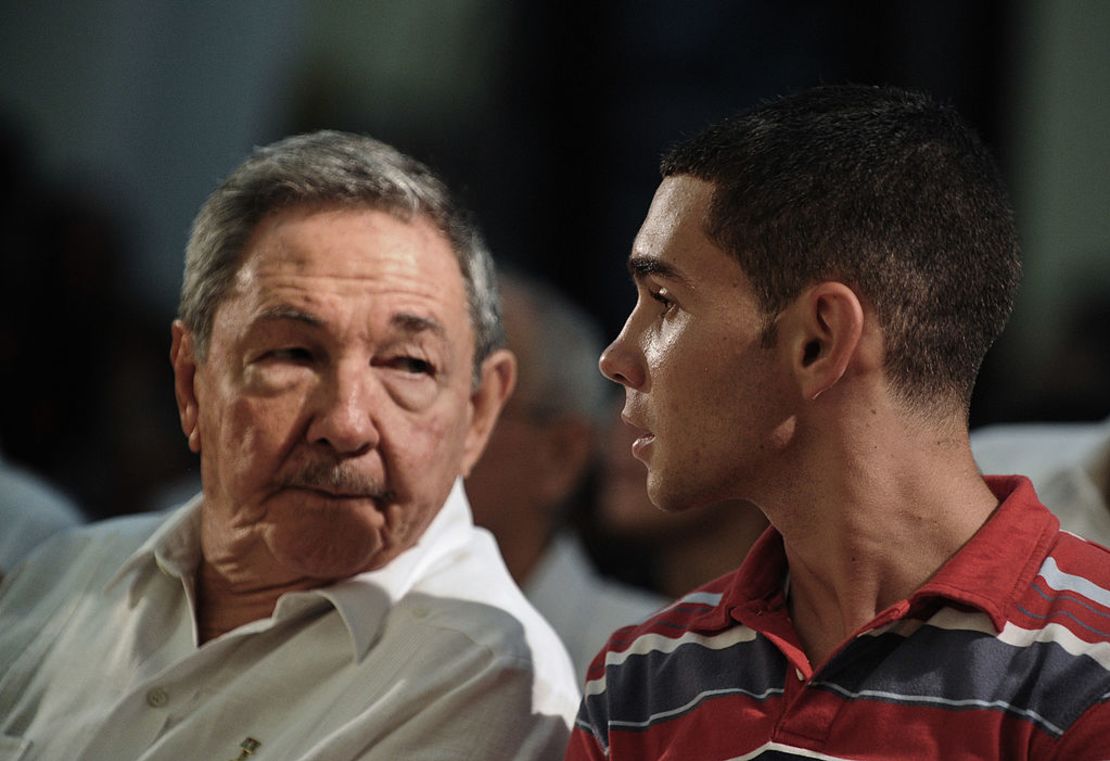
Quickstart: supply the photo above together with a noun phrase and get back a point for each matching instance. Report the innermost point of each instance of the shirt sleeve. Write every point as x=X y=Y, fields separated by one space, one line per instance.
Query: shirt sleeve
x=584 y=746
x=590 y=736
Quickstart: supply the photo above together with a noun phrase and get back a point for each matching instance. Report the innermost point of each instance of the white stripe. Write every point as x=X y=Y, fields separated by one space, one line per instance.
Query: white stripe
x=931 y=699
x=951 y=619
x=1066 y=582
x=697 y=699
x=699 y=598
x=709 y=599
x=649 y=643
x=1099 y=652
x=780 y=747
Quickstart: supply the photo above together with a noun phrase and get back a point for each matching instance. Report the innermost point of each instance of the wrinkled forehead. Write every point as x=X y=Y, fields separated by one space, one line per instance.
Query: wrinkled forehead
x=358 y=253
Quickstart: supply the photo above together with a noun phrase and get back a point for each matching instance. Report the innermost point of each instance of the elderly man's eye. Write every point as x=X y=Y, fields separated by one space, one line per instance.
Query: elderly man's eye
x=413 y=365
x=289 y=354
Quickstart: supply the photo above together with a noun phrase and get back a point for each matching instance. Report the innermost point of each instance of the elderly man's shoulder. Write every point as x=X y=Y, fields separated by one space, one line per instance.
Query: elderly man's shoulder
x=470 y=592
x=83 y=555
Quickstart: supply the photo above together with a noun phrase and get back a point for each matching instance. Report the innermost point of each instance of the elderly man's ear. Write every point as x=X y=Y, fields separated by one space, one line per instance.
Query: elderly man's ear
x=497 y=381
x=183 y=359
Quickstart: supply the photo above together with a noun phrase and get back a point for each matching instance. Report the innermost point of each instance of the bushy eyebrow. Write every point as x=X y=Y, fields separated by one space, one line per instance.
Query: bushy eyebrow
x=640 y=266
x=285 y=312
x=405 y=322
x=414 y=324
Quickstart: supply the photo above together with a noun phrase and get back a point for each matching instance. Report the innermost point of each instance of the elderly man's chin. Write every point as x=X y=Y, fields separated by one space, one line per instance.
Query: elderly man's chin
x=329 y=540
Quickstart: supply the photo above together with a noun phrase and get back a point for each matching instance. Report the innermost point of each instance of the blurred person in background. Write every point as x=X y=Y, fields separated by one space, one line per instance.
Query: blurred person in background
x=1069 y=463
x=30 y=511
x=536 y=463
x=1064 y=444
x=338 y=368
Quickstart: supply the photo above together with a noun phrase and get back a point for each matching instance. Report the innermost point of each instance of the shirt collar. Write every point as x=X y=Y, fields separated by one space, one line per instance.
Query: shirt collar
x=981 y=574
x=364 y=600
x=174 y=547
x=361 y=601
x=1002 y=557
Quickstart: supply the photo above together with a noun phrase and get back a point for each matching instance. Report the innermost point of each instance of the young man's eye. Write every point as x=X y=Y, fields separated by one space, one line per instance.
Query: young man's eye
x=663 y=296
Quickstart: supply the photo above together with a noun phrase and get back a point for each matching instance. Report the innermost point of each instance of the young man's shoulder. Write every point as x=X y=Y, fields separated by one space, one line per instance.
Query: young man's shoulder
x=697 y=614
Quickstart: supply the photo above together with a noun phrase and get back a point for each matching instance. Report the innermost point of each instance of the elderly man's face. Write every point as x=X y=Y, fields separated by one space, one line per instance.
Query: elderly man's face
x=335 y=406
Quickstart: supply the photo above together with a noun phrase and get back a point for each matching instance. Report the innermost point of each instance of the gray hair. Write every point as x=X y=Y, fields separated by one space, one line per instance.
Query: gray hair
x=338 y=168
x=561 y=362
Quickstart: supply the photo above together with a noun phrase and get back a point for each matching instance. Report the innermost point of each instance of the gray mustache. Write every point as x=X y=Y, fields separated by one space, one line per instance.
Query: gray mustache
x=334 y=476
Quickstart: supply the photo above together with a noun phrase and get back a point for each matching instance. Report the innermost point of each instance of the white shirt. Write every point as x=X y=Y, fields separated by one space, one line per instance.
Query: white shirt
x=436 y=656
x=1067 y=463
x=30 y=511
x=582 y=606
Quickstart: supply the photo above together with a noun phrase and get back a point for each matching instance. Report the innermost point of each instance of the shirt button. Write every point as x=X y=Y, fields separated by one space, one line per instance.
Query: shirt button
x=798 y=673
x=157 y=697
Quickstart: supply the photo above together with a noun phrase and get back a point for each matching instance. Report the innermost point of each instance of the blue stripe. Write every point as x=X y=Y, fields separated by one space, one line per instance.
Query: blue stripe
x=656 y=686
x=958 y=669
x=1072 y=598
x=1064 y=614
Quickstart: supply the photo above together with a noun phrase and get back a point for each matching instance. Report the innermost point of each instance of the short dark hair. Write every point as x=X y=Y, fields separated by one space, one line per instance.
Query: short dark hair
x=882 y=189
x=329 y=167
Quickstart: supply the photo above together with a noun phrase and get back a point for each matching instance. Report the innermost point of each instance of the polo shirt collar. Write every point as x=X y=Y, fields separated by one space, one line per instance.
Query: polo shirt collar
x=1017 y=535
x=362 y=601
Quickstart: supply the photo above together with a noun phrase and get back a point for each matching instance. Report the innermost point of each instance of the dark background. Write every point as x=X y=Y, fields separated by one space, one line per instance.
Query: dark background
x=118 y=117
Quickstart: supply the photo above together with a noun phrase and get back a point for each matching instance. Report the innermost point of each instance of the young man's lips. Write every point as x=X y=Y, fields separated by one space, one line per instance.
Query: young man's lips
x=640 y=445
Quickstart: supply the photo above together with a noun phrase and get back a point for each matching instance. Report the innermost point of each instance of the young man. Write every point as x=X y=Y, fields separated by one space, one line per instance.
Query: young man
x=818 y=282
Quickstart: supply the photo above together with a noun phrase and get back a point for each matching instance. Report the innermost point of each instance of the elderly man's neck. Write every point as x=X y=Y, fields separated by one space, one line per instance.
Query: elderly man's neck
x=224 y=603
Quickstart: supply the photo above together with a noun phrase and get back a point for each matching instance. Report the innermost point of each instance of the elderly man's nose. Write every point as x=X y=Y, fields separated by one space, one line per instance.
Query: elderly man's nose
x=343 y=415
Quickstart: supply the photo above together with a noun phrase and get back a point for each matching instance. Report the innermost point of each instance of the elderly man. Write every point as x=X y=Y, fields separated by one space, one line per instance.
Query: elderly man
x=818 y=281
x=337 y=369
x=536 y=464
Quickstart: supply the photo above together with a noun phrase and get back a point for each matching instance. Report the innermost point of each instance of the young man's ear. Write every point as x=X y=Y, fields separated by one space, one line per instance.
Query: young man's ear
x=828 y=326
x=496 y=383
x=183 y=359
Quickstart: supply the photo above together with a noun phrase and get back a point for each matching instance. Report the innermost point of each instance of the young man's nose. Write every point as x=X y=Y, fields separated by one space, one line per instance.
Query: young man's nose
x=620 y=362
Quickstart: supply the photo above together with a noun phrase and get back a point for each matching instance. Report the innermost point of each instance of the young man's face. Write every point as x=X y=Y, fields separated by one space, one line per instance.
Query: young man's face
x=714 y=405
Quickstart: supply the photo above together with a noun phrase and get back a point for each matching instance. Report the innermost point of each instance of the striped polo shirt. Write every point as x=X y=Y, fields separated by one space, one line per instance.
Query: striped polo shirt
x=1003 y=654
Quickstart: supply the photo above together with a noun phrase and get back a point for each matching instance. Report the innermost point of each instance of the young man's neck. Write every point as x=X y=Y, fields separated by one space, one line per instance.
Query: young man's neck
x=871 y=524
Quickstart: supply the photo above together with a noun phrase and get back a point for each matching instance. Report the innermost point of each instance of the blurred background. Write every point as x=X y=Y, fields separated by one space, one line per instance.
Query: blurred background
x=118 y=117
